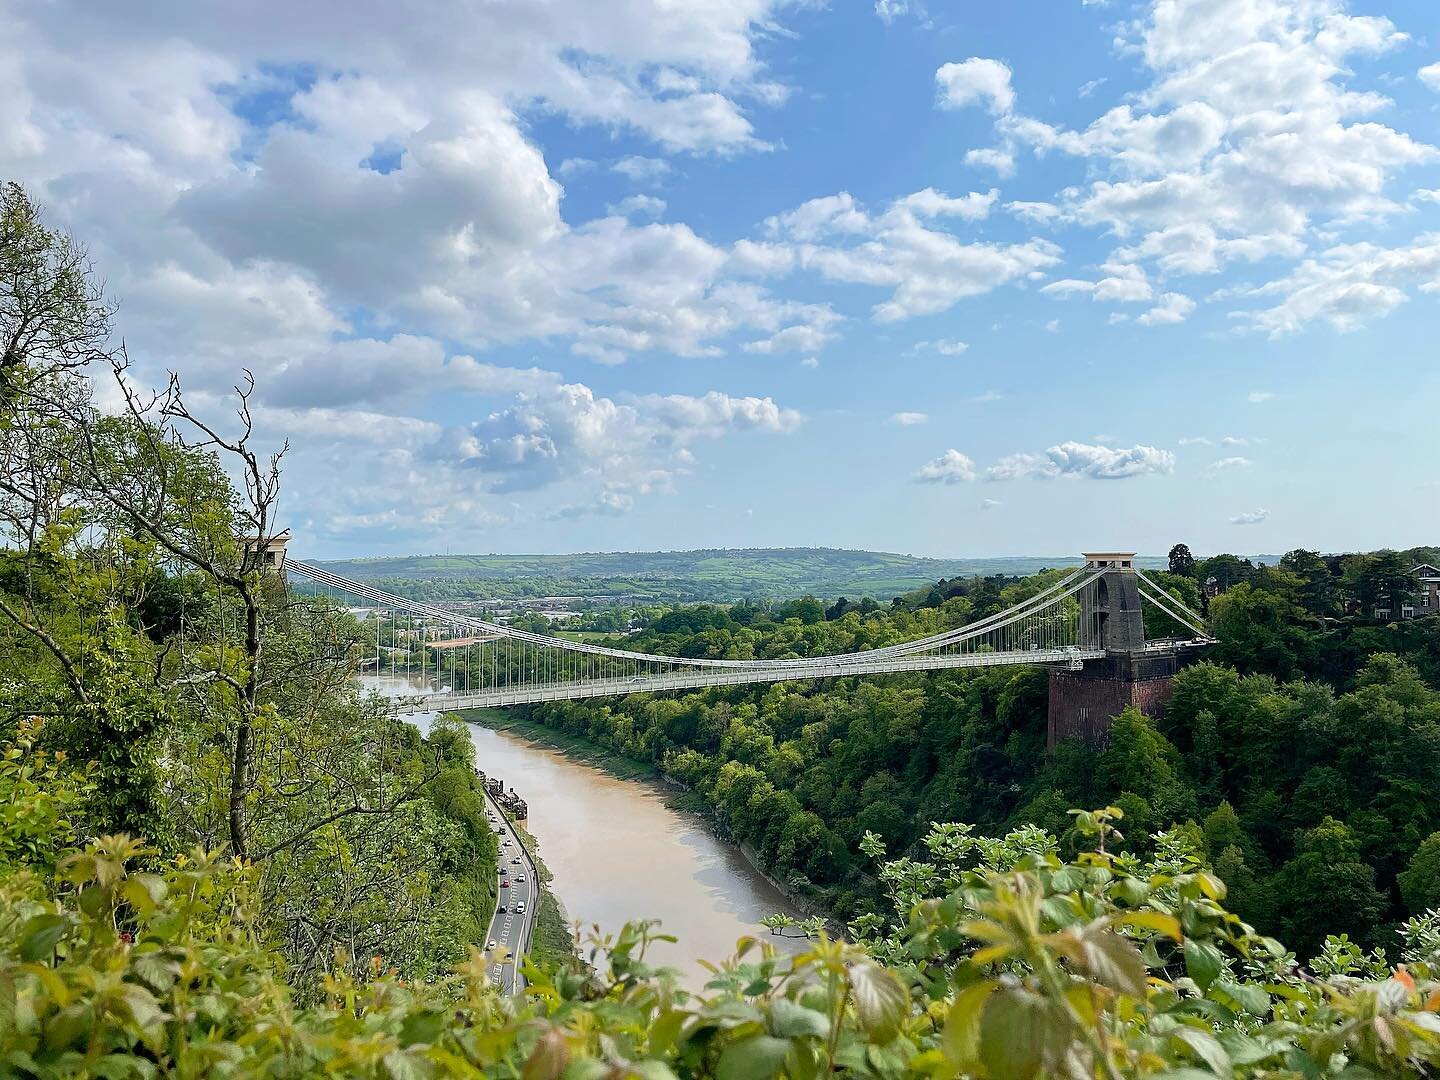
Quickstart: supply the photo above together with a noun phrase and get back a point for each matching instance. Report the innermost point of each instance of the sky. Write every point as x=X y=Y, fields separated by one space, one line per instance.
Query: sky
x=955 y=279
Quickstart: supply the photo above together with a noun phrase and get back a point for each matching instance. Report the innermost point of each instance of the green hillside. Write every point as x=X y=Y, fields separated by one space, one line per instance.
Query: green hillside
x=711 y=574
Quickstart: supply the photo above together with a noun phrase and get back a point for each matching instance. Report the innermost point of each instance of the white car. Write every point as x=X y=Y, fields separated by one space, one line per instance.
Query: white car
x=520 y=878
x=516 y=860
x=490 y=945
x=520 y=907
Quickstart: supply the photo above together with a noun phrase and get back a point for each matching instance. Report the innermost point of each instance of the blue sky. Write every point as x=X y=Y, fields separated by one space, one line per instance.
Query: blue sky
x=953 y=279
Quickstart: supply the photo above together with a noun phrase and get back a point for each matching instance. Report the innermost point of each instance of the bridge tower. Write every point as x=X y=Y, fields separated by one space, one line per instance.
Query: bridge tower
x=1083 y=701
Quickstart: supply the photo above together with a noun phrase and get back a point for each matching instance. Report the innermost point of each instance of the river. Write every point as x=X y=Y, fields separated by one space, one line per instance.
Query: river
x=618 y=851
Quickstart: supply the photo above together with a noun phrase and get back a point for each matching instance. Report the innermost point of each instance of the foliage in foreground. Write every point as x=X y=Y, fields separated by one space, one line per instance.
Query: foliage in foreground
x=1009 y=962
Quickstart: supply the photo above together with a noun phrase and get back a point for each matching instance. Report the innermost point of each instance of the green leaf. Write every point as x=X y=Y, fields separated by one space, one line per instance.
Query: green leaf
x=39 y=936
x=422 y=1027
x=1020 y=1035
x=881 y=1000
x=754 y=1058
x=1113 y=961
x=1254 y=999
x=789 y=1020
x=1158 y=921
x=961 y=1037
x=1207 y=1048
x=1203 y=963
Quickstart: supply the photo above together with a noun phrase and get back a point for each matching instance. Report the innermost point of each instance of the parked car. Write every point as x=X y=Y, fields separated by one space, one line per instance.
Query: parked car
x=490 y=945
x=504 y=884
x=500 y=910
x=520 y=879
x=516 y=860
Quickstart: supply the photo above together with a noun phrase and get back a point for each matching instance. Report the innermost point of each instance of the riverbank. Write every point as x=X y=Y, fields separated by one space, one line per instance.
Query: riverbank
x=678 y=797
x=572 y=746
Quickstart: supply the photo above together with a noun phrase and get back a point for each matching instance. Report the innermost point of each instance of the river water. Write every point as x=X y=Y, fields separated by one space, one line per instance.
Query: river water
x=618 y=851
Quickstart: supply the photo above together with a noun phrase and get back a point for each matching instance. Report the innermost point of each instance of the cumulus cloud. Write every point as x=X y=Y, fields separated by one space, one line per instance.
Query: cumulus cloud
x=977 y=80
x=951 y=467
x=1252 y=517
x=1172 y=308
x=1247 y=139
x=905 y=248
x=1347 y=286
x=1430 y=76
x=1082 y=459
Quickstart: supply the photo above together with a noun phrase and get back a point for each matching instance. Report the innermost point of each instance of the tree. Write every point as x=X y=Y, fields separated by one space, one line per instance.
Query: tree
x=1182 y=563
x=1385 y=582
x=1327 y=888
x=1227 y=570
x=1319 y=591
x=1420 y=881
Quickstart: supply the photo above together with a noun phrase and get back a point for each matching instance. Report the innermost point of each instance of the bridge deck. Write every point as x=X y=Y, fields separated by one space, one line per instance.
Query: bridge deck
x=701 y=677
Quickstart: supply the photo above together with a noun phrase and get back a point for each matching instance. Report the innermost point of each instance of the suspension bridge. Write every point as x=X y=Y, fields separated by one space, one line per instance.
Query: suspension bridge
x=1091 y=620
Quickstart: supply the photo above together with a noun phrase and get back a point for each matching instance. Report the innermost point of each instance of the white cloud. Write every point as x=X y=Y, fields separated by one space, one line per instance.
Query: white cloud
x=1248 y=139
x=643 y=170
x=1038 y=213
x=1172 y=308
x=1125 y=283
x=645 y=206
x=1082 y=459
x=1258 y=397
x=944 y=346
x=1000 y=160
x=928 y=268
x=951 y=467
x=890 y=10
x=1195 y=440
x=909 y=419
x=1253 y=517
x=977 y=80
x=1229 y=464
x=989 y=504
x=1430 y=76
x=1347 y=286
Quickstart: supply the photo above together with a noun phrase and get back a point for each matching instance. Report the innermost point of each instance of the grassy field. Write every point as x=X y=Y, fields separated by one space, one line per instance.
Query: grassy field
x=679 y=576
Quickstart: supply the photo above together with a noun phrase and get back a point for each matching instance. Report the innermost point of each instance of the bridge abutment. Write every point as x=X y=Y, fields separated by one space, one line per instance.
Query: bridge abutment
x=1082 y=703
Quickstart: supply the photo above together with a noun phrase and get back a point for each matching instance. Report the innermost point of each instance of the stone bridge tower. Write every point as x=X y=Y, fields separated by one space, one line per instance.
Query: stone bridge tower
x=1084 y=701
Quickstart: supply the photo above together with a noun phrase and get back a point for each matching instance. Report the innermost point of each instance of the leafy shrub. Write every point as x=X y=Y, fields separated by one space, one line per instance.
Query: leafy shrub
x=1003 y=961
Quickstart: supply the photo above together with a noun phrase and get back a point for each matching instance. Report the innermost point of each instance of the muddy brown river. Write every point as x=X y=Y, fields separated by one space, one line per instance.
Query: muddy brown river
x=618 y=851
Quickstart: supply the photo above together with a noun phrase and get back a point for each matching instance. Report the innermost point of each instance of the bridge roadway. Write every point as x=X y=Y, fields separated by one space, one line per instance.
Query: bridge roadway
x=826 y=668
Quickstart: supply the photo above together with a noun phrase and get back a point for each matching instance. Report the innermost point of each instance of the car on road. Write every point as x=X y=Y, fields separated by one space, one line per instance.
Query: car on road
x=516 y=860
x=504 y=884
x=520 y=908
x=520 y=879
x=500 y=910
x=490 y=945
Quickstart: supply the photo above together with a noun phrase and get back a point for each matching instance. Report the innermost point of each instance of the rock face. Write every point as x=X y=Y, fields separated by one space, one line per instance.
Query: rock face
x=1082 y=703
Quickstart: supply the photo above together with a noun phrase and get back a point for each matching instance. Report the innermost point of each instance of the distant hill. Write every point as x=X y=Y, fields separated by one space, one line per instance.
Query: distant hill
x=680 y=576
